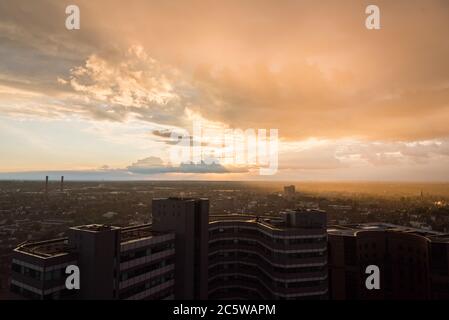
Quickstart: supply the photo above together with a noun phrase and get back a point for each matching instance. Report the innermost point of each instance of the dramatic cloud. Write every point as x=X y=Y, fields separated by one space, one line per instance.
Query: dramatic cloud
x=134 y=84
x=154 y=165
x=310 y=69
x=137 y=72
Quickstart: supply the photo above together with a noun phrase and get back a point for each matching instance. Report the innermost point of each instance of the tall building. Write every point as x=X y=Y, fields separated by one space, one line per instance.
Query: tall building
x=188 y=219
x=289 y=191
x=98 y=253
x=268 y=258
x=114 y=263
x=413 y=263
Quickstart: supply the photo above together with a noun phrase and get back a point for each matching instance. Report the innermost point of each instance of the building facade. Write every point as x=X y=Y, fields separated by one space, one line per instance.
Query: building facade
x=413 y=263
x=188 y=219
x=115 y=263
x=38 y=270
x=265 y=258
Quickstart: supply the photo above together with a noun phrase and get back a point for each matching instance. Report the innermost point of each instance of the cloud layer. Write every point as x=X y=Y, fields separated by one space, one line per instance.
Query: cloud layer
x=312 y=70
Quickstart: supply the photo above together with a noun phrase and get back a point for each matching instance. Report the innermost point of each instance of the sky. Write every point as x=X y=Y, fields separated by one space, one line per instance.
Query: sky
x=115 y=99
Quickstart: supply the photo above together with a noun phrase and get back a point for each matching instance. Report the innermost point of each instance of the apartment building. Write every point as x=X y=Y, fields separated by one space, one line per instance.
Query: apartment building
x=268 y=258
x=413 y=263
x=115 y=263
x=38 y=270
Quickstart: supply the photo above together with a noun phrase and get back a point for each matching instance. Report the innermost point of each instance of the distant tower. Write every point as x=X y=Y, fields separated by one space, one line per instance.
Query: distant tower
x=46 y=185
x=62 y=183
x=289 y=191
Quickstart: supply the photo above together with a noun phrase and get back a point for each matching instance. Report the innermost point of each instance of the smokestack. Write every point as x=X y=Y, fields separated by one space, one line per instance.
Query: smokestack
x=46 y=185
x=62 y=183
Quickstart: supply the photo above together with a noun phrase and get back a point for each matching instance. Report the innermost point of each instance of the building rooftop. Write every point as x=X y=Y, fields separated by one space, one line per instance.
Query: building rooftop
x=273 y=222
x=352 y=229
x=181 y=199
x=133 y=233
x=95 y=228
x=61 y=246
x=443 y=238
x=45 y=249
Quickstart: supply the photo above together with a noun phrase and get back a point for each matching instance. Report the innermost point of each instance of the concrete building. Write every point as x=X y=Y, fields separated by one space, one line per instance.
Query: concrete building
x=98 y=249
x=115 y=263
x=147 y=264
x=266 y=258
x=188 y=219
x=38 y=270
x=413 y=263
x=439 y=266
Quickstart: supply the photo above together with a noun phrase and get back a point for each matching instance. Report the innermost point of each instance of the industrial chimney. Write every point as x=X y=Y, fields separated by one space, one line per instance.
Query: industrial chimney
x=46 y=185
x=62 y=183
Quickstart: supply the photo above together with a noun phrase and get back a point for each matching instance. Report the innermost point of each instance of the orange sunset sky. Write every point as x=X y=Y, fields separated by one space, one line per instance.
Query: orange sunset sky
x=349 y=103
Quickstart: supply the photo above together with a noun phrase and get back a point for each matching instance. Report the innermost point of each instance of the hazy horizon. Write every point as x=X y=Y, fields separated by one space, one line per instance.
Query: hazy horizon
x=98 y=176
x=339 y=189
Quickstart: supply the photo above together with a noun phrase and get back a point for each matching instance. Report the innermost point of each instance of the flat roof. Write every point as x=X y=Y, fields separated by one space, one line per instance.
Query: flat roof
x=181 y=198
x=57 y=247
x=352 y=229
x=95 y=227
x=272 y=222
x=139 y=232
x=45 y=249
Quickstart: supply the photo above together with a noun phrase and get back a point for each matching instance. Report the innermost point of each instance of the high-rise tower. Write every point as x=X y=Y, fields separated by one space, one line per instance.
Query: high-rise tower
x=188 y=219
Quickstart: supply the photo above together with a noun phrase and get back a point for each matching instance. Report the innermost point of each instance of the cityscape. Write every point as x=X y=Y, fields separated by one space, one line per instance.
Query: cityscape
x=255 y=152
x=223 y=240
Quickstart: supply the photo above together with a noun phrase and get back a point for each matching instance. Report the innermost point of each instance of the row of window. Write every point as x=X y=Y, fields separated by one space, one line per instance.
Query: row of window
x=261 y=234
x=249 y=281
x=145 y=252
x=60 y=294
x=254 y=294
x=24 y=292
x=255 y=272
x=254 y=258
x=147 y=285
x=145 y=269
x=267 y=252
x=39 y=275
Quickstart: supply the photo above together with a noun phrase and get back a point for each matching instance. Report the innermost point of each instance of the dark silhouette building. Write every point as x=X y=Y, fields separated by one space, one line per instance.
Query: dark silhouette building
x=115 y=263
x=268 y=258
x=289 y=191
x=413 y=263
x=188 y=219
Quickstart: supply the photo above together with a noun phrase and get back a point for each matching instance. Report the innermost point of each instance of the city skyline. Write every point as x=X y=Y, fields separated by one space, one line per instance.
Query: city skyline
x=100 y=103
